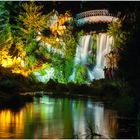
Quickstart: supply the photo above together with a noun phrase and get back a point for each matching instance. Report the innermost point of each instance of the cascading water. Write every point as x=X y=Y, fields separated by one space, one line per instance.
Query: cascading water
x=104 y=43
x=82 y=53
x=84 y=50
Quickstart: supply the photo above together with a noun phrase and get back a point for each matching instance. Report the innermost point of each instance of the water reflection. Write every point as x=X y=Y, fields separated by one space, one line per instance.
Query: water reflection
x=58 y=118
x=11 y=123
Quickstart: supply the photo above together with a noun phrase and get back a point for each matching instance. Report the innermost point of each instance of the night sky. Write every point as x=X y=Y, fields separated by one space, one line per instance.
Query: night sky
x=81 y=6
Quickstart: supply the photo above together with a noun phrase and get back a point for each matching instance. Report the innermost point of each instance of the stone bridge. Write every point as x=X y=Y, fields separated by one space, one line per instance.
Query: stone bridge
x=95 y=16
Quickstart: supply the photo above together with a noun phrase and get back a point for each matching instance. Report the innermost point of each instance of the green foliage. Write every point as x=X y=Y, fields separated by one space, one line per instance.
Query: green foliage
x=92 y=55
x=91 y=59
x=4 y=15
x=67 y=68
x=115 y=30
x=58 y=65
x=31 y=46
x=70 y=46
x=22 y=37
x=6 y=35
x=94 y=42
x=29 y=22
x=30 y=60
x=79 y=34
x=69 y=52
x=32 y=18
x=69 y=55
x=42 y=74
x=5 y=27
x=58 y=74
x=80 y=74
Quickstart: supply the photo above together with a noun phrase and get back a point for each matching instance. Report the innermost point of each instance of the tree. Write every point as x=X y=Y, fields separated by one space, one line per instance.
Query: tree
x=32 y=18
x=119 y=37
x=62 y=43
x=115 y=30
x=6 y=39
x=5 y=27
x=31 y=22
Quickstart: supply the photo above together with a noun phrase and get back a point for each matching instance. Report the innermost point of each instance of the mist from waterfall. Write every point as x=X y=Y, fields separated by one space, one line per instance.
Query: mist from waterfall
x=84 y=50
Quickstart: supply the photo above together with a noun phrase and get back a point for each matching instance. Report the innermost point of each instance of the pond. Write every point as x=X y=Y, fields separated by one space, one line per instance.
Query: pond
x=49 y=117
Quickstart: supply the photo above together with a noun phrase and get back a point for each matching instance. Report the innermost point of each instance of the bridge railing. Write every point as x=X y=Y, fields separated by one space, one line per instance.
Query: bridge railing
x=102 y=12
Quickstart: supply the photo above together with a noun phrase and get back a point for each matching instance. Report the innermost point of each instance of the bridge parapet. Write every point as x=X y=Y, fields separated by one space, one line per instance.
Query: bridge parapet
x=102 y=12
x=95 y=16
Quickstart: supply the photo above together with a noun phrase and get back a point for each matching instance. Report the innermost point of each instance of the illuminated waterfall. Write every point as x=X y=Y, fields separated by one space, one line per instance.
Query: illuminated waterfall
x=104 y=43
x=86 y=42
x=84 y=50
x=82 y=53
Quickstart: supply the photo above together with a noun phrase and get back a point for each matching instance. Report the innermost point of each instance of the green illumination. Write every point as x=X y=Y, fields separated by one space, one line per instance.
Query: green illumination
x=43 y=75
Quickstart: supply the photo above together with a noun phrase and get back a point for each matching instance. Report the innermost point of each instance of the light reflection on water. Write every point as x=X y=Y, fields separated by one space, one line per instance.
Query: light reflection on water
x=58 y=118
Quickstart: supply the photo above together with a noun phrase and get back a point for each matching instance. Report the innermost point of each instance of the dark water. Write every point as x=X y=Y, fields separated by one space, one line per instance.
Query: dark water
x=60 y=118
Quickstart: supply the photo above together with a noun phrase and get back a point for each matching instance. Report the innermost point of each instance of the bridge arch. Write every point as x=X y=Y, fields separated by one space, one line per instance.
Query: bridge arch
x=95 y=16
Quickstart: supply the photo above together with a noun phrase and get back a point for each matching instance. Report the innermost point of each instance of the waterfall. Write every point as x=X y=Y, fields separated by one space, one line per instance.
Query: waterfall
x=84 y=49
x=104 y=43
x=82 y=53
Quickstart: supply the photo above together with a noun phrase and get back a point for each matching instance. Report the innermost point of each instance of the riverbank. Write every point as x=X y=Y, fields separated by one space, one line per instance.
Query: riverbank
x=115 y=93
x=14 y=101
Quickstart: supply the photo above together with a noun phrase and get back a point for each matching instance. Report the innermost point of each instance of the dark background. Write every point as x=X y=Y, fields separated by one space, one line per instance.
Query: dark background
x=80 y=6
